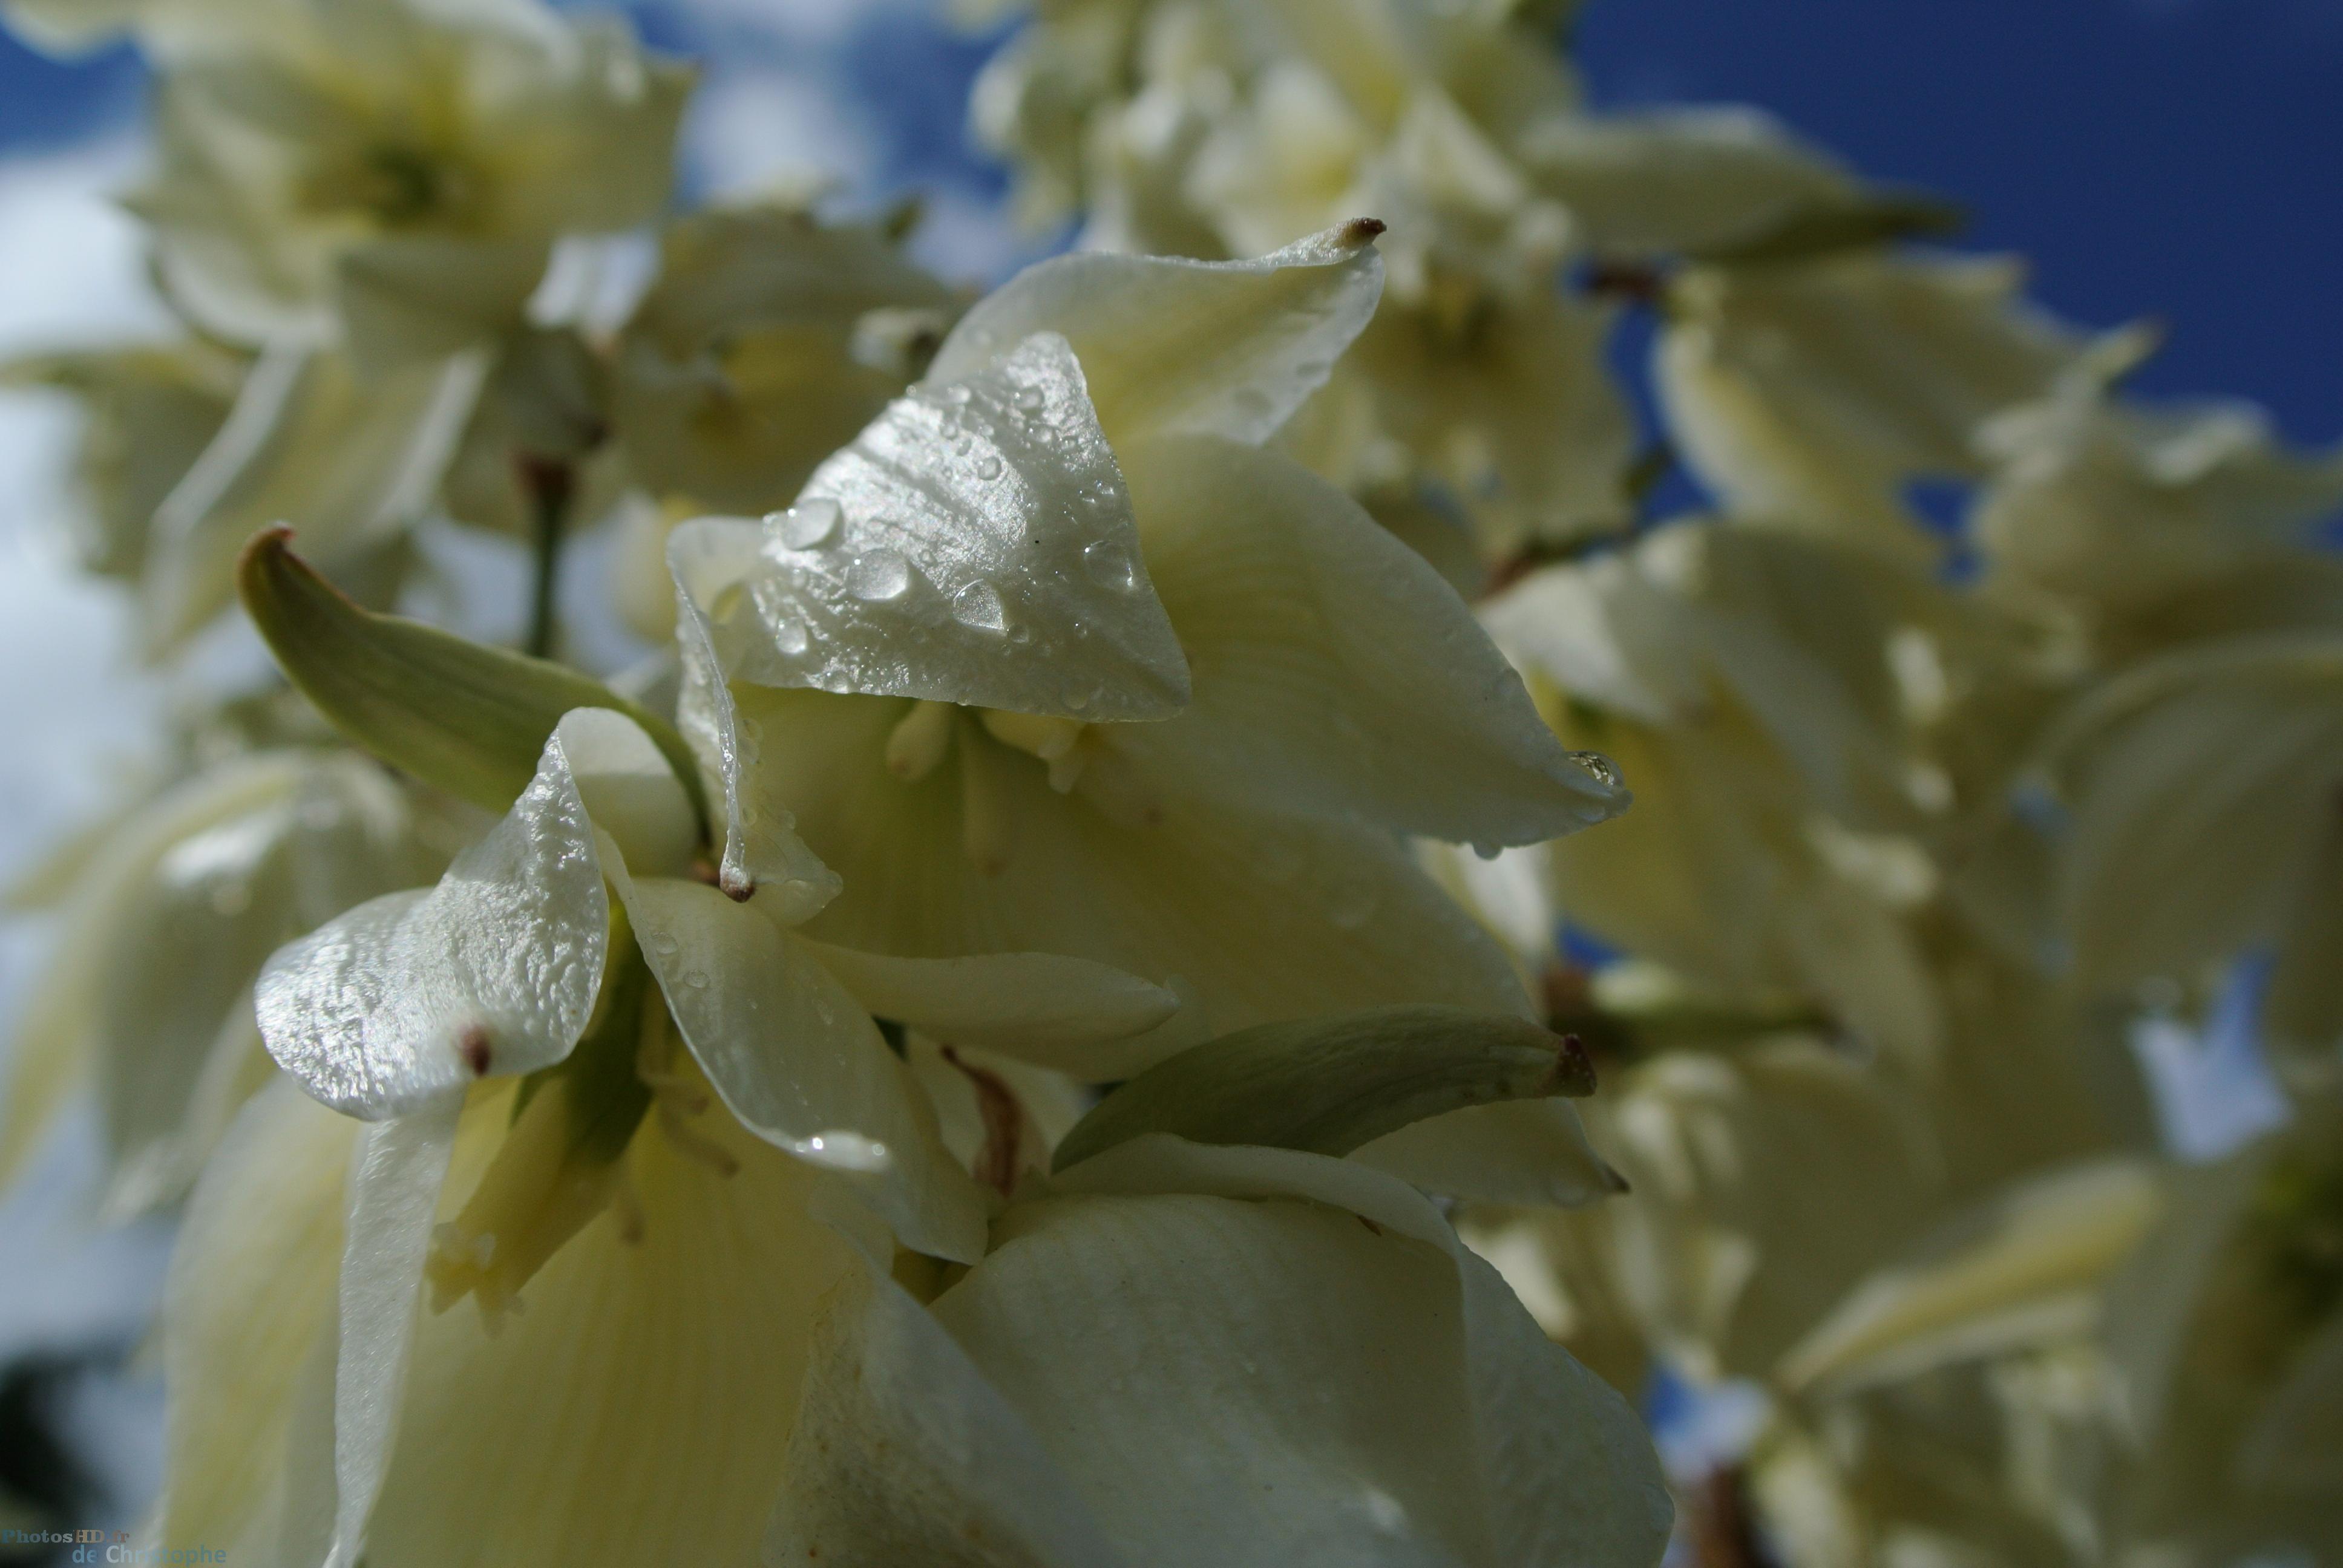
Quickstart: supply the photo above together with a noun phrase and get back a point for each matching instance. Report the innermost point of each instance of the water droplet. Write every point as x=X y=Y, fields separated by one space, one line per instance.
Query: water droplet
x=790 y=637
x=1029 y=400
x=1111 y=566
x=1487 y=851
x=1595 y=762
x=812 y=522
x=1077 y=698
x=878 y=574
x=1020 y=635
x=988 y=466
x=842 y=1151
x=978 y=605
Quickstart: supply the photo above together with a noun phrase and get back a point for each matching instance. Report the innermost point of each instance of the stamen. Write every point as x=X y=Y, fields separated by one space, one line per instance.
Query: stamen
x=988 y=811
x=920 y=741
x=1035 y=734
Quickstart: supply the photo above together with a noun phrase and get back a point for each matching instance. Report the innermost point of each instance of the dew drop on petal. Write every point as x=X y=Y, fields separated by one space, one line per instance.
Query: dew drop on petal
x=1488 y=852
x=978 y=605
x=1029 y=399
x=812 y=522
x=1600 y=766
x=878 y=574
x=988 y=466
x=1111 y=566
x=790 y=637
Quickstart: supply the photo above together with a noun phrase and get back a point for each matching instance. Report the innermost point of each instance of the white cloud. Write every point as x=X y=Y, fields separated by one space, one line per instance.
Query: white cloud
x=760 y=130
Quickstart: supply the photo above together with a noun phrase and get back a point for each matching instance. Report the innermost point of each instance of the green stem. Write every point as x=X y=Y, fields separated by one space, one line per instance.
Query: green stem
x=548 y=484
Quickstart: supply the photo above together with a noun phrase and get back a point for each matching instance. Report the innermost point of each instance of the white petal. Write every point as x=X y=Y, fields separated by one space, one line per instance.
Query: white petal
x=903 y=1453
x=1521 y=1151
x=974 y=545
x=1568 y=1470
x=347 y=460
x=404 y=1000
x=1266 y=917
x=796 y=1058
x=1059 y=1012
x=394 y=1201
x=629 y=790
x=761 y=847
x=635 y=1410
x=1171 y=345
x=250 y=1293
x=1339 y=674
x=1993 y=1279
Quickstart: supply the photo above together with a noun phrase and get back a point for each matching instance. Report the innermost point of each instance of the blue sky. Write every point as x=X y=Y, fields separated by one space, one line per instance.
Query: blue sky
x=2175 y=159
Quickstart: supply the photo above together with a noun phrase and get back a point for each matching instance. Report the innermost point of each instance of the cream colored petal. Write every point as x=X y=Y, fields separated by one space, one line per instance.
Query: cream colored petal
x=395 y=1178
x=2191 y=819
x=1678 y=178
x=250 y=1293
x=628 y=790
x=798 y=1061
x=1327 y=1361
x=425 y=297
x=1069 y=1014
x=637 y=1410
x=2027 y=1265
x=1558 y=1464
x=761 y=847
x=408 y=999
x=1266 y=917
x=1340 y=676
x=348 y=460
x=974 y=545
x=904 y=1453
x=175 y=1010
x=1522 y=1152
x=56 y=1042
x=1175 y=347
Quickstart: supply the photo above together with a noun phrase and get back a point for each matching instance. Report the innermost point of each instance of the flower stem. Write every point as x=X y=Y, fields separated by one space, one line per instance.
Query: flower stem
x=549 y=484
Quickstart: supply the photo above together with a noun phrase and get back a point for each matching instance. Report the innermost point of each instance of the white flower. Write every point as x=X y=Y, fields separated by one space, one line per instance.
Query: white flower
x=394 y=1012
x=1130 y=686
x=397 y=170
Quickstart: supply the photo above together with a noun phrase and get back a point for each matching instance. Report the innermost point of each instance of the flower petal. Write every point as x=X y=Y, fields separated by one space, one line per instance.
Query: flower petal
x=250 y=1288
x=795 y=1058
x=761 y=847
x=974 y=545
x=405 y=1000
x=1522 y=1151
x=1341 y=674
x=395 y=1183
x=1267 y=917
x=347 y=459
x=903 y=1453
x=1172 y=345
x=1070 y=1014
x=637 y=1410
x=629 y=790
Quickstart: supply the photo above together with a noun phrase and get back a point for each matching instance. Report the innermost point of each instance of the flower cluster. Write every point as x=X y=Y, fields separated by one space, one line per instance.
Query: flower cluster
x=1045 y=1021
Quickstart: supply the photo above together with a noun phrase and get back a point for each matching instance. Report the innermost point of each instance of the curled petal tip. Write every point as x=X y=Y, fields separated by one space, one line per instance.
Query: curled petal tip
x=1363 y=230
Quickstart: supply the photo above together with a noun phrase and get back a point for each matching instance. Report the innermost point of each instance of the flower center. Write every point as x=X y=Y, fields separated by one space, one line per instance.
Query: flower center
x=1079 y=758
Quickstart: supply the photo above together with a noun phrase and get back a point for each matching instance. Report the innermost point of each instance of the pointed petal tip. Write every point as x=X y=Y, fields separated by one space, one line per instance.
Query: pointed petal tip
x=1362 y=231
